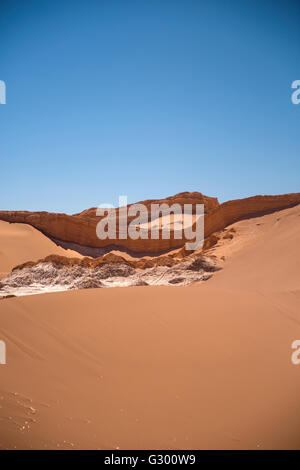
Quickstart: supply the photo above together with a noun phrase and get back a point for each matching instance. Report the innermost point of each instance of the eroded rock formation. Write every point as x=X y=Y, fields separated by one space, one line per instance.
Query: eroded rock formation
x=79 y=230
x=58 y=273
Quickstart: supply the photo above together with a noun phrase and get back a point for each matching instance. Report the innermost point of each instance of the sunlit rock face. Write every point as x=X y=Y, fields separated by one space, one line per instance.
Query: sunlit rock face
x=78 y=231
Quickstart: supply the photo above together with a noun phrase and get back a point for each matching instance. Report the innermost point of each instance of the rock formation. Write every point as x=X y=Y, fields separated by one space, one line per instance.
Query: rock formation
x=78 y=231
x=58 y=273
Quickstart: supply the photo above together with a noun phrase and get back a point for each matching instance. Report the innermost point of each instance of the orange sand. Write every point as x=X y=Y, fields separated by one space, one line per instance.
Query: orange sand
x=20 y=243
x=205 y=366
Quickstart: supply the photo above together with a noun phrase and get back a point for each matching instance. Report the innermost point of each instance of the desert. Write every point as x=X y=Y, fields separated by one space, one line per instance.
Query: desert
x=150 y=231
x=205 y=365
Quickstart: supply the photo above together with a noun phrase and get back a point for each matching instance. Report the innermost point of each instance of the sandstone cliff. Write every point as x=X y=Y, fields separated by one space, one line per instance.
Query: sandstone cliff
x=80 y=229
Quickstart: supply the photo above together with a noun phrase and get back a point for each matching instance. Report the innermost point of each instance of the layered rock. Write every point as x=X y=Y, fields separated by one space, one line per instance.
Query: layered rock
x=79 y=230
x=58 y=273
x=233 y=211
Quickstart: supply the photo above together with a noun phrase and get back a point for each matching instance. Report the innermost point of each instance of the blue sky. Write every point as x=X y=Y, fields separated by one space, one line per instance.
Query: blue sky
x=147 y=98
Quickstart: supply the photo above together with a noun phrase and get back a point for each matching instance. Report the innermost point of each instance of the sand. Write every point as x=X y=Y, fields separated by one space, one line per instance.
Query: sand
x=206 y=366
x=21 y=242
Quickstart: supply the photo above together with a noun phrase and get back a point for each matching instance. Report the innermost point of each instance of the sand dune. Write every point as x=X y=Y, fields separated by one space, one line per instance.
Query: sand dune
x=205 y=366
x=20 y=243
x=264 y=254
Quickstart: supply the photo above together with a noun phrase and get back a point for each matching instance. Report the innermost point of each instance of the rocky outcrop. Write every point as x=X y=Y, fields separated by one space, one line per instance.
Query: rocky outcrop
x=58 y=273
x=80 y=229
x=233 y=211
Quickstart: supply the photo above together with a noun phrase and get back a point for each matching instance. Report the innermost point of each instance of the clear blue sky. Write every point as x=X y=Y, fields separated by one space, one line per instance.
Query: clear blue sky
x=147 y=98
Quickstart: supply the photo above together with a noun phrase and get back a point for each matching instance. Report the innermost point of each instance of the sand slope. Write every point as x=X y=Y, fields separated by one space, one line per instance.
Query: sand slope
x=205 y=366
x=20 y=243
x=264 y=255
